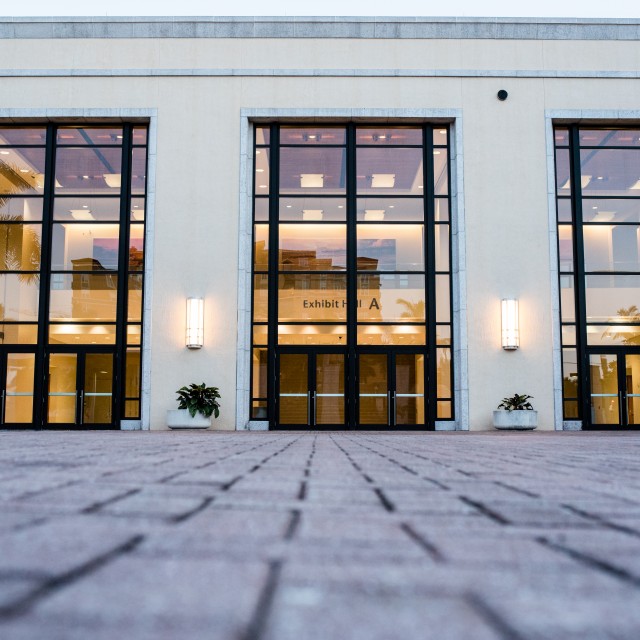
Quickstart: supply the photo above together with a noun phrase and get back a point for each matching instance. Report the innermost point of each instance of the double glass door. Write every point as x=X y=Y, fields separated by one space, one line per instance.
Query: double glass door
x=614 y=380
x=80 y=389
x=17 y=381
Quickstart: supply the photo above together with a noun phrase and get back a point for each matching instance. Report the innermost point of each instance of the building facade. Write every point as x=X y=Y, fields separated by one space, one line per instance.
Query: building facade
x=359 y=207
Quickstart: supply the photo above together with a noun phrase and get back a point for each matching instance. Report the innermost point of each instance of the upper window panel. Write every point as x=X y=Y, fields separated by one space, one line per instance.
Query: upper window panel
x=19 y=136
x=313 y=135
x=83 y=170
x=22 y=171
x=610 y=137
x=263 y=135
x=380 y=136
x=140 y=135
x=610 y=172
x=312 y=171
x=390 y=171
x=83 y=136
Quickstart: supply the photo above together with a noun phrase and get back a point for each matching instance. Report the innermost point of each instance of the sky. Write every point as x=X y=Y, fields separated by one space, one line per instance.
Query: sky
x=473 y=8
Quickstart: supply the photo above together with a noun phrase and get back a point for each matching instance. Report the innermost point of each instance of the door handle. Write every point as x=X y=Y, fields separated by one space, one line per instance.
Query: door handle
x=81 y=421
x=313 y=397
x=309 y=408
x=2 y=420
x=389 y=408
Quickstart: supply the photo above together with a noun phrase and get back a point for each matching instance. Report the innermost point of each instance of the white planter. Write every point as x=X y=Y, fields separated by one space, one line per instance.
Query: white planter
x=517 y=420
x=181 y=419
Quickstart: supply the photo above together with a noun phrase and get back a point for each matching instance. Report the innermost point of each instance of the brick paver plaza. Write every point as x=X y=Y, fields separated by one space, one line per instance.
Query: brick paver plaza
x=290 y=536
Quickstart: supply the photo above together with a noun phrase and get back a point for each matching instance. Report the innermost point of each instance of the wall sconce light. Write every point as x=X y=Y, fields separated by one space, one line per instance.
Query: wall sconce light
x=510 y=325
x=195 y=323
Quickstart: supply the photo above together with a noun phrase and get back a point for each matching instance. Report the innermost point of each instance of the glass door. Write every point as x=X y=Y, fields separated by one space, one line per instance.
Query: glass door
x=311 y=390
x=391 y=390
x=80 y=389
x=17 y=377
x=614 y=381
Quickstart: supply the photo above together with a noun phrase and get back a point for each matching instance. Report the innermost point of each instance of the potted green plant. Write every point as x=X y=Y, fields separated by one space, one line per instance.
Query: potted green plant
x=196 y=404
x=516 y=412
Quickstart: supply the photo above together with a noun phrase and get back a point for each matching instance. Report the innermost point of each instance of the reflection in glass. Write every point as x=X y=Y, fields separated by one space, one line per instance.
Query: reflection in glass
x=312 y=247
x=260 y=334
x=390 y=209
x=259 y=383
x=409 y=397
x=261 y=247
x=563 y=172
x=19 y=298
x=443 y=334
x=20 y=209
x=391 y=298
x=88 y=170
x=611 y=247
x=137 y=209
x=313 y=297
x=136 y=247
x=316 y=334
x=632 y=379
x=326 y=209
x=98 y=388
x=373 y=388
x=611 y=210
x=441 y=232
x=88 y=247
x=609 y=137
x=570 y=373
x=261 y=176
x=131 y=408
x=567 y=299
x=132 y=374
x=294 y=389
x=86 y=209
x=259 y=409
x=372 y=334
x=83 y=296
x=379 y=136
x=261 y=298
x=564 y=210
x=261 y=209
x=329 y=393
x=313 y=135
x=568 y=334
x=19 y=383
x=18 y=333
x=439 y=136
x=565 y=247
x=444 y=410
x=20 y=247
x=441 y=172
x=390 y=171
x=263 y=135
x=140 y=135
x=312 y=170
x=22 y=171
x=561 y=137
x=138 y=171
x=82 y=334
x=614 y=334
x=134 y=334
x=441 y=210
x=134 y=305
x=612 y=298
x=85 y=135
x=443 y=303
x=603 y=370
x=443 y=373
x=62 y=395
x=610 y=172
x=385 y=247
x=22 y=135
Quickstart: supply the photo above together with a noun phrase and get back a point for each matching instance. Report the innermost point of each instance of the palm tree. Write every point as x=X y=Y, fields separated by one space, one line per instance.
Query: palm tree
x=632 y=314
x=415 y=310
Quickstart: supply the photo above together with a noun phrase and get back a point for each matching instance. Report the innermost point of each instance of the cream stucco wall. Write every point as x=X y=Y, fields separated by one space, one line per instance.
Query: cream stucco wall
x=196 y=210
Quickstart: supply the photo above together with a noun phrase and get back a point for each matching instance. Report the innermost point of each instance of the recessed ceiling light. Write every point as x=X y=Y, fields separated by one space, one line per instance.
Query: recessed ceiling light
x=436 y=153
x=312 y=214
x=374 y=214
x=420 y=186
x=4 y=153
x=443 y=131
x=263 y=186
x=594 y=207
x=340 y=206
x=81 y=214
x=24 y=170
x=258 y=153
x=312 y=180
x=288 y=206
x=392 y=206
x=259 y=170
x=85 y=177
x=600 y=178
x=85 y=206
x=383 y=180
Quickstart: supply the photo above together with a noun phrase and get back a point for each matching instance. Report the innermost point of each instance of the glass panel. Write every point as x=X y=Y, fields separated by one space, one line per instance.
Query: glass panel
x=561 y=137
x=632 y=388
x=317 y=334
x=136 y=247
x=294 y=389
x=569 y=373
x=610 y=210
x=131 y=408
x=22 y=171
x=386 y=247
x=259 y=409
x=439 y=136
x=261 y=210
x=20 y=247
x=443 y=334
x=263 y=135
x=375 y=334
x=259 y=384
x=610 y=172
x=382 y=136
x=19 y=388
x=611 y=247
x=83 y=136
x=88 y=170
x=82 y=334
x=134 y=307
x=571 y=411
x=409 y=402
x=319 y=209
x=564 y=210
x=21 y=209
x=441 y=210
x=311 y=170
x=612 y=298
x=441 y=172
x=132 y=374
x=329 y=400
x=568 y=334
x=261 y=298
x=23 y=135
x=618 y=334
x=137 y=209
x=310 y=296
x=140 y=135
x=134 y=334
x=609 y=137
x=313 y=135
x=98 y=388
x=390 y=171
x=261 y=247
x=19 y=297
x=83 y=296
x=261 y=177
x=442 y=247
x=373 y=389
x=444 y=409
x=443 y=302
x=604 y=389
x=390 y=209
x=565 y=247
x=18 y=333
x=85 y=247
x=138 y=171
x=260 y=334
x=391 y=298
x=62 y=388
x=443 y=373
x=312 y=247
x=87 y=209
x=567 y=299
x=563 y=172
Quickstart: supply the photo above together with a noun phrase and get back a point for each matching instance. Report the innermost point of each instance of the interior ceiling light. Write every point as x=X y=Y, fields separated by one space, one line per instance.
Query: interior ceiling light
x=383 y=180
x=113 y=180
x=81 y=214
x=584 y=182
x=4 y=153
x=138 y=214
x=374 y=214
x=312 y=214
x=312 y=180
x=635 y=186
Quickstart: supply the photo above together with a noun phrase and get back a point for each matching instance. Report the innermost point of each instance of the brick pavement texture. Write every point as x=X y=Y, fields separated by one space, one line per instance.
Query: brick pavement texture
x=327 y=536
